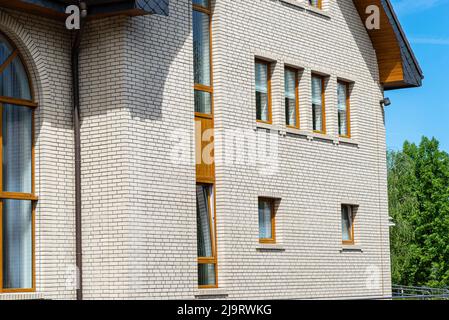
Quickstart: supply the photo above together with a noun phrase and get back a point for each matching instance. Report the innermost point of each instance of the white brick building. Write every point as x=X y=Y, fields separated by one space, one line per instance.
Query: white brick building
x=297 y=192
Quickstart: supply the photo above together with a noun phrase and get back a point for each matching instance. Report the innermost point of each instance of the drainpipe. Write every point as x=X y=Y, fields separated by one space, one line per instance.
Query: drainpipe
x=77 y=136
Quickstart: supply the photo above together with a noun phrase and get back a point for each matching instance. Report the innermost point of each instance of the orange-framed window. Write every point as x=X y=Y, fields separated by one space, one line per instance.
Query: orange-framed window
x=318 y=104
x=291 y=91
x=263 y=91
x=17 y=175
x=347 y=224
x=202 y=58
x=207 y=258
x=344 y=112
x=316 y=3
x=267 y=220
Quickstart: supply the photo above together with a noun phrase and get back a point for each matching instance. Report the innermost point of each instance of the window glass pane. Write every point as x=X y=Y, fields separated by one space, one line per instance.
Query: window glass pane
x=203 y=102
x=203 y=3
x=290 y=112
x=201 y=48
x=5 y=49
x=314 y=3
x=262 y=92
x=17 y=148
x=14 y=81
x=265 y=229
x=290 y=97
x=17 y=244
x=317 y=103
x=206 y=275
x=204 y=222
x=342 y=109
x=262 y=77
x=290 y=84
x=346 y=223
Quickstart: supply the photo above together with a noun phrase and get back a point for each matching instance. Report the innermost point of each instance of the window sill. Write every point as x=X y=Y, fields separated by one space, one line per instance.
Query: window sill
x=351 y=248
x=21 y=296
x=347 y=141
x=263 y=247
x=320 y=136
x=307 y=7
x=297 y=132
x=266 y=126
x=215 y=293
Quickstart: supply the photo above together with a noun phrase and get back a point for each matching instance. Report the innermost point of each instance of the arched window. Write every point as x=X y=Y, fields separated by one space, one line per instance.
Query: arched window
x=17 y=193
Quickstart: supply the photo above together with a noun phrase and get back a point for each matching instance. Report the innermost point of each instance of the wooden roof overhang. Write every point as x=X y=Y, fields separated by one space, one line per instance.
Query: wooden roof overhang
x=55 y=9
x=398 y=66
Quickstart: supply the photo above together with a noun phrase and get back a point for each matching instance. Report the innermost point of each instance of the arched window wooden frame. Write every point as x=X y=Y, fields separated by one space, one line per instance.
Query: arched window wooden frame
x=5 y=195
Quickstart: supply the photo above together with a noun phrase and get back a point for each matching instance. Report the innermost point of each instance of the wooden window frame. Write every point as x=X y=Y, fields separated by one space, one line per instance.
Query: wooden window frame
x=4 y=195
x=202 y=87
x=352 y=218
x=323 y=104
x=213 y=228
x=269 y=96
x=272 y=202
x=348 y=110
x=296 y=71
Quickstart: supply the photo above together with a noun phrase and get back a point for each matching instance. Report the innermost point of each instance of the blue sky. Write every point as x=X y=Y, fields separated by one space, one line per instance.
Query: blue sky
x=423 y=111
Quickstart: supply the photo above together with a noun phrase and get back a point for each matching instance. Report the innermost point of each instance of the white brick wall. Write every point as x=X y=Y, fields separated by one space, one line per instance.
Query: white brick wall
x=139 y=212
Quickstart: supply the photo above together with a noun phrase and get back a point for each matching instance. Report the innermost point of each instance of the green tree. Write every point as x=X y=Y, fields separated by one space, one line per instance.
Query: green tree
x=418 y=187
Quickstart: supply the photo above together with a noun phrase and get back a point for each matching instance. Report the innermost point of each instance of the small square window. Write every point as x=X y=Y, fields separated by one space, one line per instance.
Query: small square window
x=316 y=3
x=267 y=221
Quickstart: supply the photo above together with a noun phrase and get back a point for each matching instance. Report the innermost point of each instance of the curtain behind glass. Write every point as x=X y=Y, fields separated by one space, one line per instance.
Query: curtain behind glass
x=5 y=49
x=14 y=81
x=265 y=220
x=317 y=103
x=17 y=244
x=290 y=97
x=201 y=48
x=204 y=233
x=346 y=223
x=17 y=148
x=203 y=3
x=262 y=91
x=342 y=109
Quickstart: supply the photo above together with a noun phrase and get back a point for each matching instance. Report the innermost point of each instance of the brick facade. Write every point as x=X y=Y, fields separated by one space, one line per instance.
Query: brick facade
x=138 y=196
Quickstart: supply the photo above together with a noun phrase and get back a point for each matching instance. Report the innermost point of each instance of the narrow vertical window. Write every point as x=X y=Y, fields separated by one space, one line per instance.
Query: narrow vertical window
x=347 y=224
x=202 y=57
x=17 y=198
x=291 y=98
x=263 y=94
x=344 y=121
x=266 y=221
x=204 y=121
x=318 y=106
x=207 y=273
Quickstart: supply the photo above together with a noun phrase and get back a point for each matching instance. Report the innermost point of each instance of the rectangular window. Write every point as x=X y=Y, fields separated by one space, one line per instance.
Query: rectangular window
x=263 y=94
x=347 y=224
x=202 y=58
x=316 y=3
x=205 y=215
x=318 y=105
x=291 y=80
x=266 y=221
x=344 y=121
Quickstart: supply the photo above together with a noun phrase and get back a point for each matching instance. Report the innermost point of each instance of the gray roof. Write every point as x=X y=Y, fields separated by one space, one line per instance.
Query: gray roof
x=97 y=7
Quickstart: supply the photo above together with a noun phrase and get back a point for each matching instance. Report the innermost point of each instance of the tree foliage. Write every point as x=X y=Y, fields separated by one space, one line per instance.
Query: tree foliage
x=418 y=188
